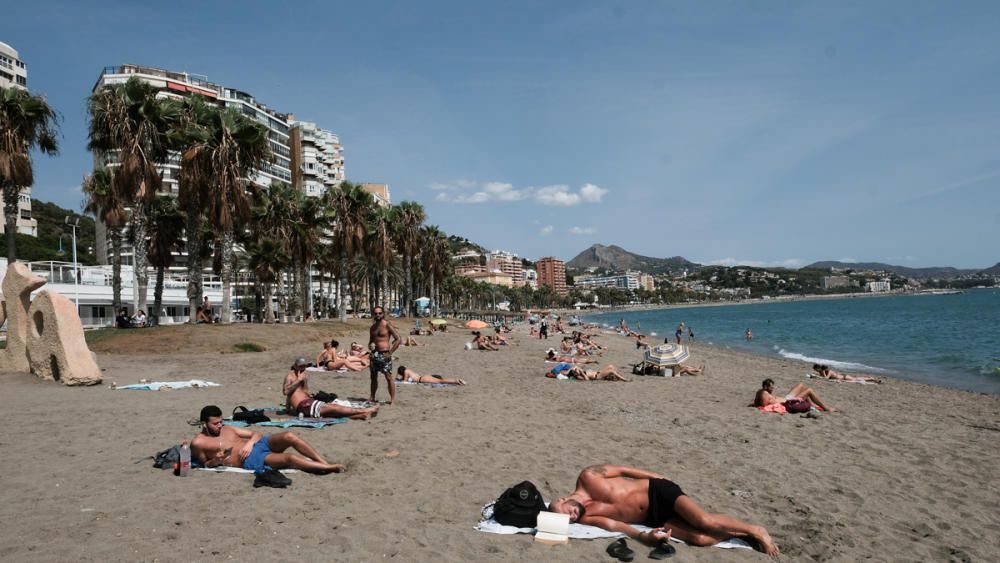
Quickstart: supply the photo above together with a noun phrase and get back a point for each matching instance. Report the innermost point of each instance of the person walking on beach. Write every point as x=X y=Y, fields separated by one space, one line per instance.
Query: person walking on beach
x=218 y=444
x=543 y=329
x=382 y=349
x=612 y=497
x=690 y=335
x=680 y=332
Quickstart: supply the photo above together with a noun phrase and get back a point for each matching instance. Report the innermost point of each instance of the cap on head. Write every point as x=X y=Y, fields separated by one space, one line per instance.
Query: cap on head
x=300 y=363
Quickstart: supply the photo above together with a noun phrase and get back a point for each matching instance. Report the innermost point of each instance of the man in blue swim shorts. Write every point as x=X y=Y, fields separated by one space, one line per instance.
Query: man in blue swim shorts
x=218 y=444
x=613 y=496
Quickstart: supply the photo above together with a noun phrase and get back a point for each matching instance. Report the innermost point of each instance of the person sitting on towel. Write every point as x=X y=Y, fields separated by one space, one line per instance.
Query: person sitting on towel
x=406 y=374
x=298 y=400
x=765 y=396
x=218 y=444
x=613 y=497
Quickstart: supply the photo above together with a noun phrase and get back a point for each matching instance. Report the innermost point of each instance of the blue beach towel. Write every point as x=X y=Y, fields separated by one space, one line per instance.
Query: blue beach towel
x=291 y=423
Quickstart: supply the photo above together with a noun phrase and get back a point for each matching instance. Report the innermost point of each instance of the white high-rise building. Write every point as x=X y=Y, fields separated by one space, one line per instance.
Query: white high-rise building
x=320 y=158
x=13 y=71
x=179 y=85
x=14 y=74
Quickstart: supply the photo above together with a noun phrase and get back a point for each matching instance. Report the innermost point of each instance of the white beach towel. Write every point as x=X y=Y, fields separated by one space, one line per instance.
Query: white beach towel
x=585 y=532
x=324 y=370
x=353 y=404
x=157 y=385
x=814 y=376
x=227 y=469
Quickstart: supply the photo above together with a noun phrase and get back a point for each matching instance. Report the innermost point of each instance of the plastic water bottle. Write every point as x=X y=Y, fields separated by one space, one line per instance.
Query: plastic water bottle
x=185 y=463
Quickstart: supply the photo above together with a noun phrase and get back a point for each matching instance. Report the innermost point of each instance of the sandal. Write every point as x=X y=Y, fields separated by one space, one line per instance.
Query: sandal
x=663 y=551
x=620 y=550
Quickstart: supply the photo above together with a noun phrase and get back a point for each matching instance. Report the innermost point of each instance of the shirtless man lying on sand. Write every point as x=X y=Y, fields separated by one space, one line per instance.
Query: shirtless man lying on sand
x=766 y=397
x=298 y=400
x=613 y=497
x=218 y=444
x=406 y=374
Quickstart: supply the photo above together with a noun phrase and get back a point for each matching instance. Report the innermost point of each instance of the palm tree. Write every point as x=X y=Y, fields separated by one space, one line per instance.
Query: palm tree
x=107 y=208
x=409 y=218
x=128 y=120
x=349 y=204
x=435 y=257
x=26 y=122
x=304 y=240
x=267 y=259
x=166 y=228
x=229 y=148
x=379 y=248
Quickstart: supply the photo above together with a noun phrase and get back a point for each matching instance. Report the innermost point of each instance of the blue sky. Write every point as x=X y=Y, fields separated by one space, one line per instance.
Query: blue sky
x=759 y=132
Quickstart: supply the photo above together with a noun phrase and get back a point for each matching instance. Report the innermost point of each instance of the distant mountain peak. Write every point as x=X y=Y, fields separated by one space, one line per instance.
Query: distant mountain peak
x=616 y=258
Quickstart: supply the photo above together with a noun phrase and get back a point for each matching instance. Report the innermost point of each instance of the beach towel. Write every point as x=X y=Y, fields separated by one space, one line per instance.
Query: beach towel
x=227 y=469
x=774 y=407
x=157 y=385
x=585 y=532
x=435 y=385
x=290 y=423
x=324 y=370
x=814 y=376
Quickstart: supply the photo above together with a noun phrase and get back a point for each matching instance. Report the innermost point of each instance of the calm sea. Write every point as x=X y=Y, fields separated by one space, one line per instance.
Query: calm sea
x=947 y=340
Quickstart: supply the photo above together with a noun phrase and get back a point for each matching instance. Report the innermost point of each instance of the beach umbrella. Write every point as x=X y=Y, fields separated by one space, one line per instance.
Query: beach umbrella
x=476 y=324
x=666 y=355
x=439 y=322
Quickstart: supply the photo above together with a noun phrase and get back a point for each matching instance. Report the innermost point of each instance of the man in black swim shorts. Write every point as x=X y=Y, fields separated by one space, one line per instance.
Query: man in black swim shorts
x=612 y=497
x=383 y=341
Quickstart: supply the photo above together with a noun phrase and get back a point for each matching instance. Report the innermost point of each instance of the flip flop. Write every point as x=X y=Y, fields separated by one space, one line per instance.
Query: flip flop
x=663 y=551
x=620 y=550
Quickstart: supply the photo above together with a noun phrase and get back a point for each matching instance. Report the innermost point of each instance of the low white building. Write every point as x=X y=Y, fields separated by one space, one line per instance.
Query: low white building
x=878 y=286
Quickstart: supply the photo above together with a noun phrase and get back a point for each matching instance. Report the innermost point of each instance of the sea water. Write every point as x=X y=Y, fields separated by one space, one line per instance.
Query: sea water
x=948 y=340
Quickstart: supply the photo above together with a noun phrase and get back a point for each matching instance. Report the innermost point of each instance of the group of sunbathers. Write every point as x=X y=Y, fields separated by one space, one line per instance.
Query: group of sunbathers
x=491 y=342
x=355 y=359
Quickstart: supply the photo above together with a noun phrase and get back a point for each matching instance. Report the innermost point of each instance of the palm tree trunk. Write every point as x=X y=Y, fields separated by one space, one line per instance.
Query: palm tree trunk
x=194 y=260
x=341 y=303
x=408 y=290
x=116 y=270
x=227 y=275
x=268 y=297
x=140 y=261
x=10 y=197
x=307 y=306
x=154 y=315
x=433 y=302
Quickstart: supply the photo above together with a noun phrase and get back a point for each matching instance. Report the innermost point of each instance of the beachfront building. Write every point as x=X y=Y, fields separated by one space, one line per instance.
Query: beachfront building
x=14 y=74
x=552 y=272
x=647 y=282
x=179 y=85
x=317 y=158
x=494 y=277
x=13 y=71
x=380 y=192
x=508 y=263
x=531 y=278
x=878 y=286
x=628 y=280
x=835 y=282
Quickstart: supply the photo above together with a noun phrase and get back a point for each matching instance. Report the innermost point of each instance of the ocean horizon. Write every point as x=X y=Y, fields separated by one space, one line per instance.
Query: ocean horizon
x=944 y=340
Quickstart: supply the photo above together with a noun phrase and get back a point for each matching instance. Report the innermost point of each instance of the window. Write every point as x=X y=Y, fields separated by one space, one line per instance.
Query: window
x=97 y=312
x=25 y=214
x=22 y=81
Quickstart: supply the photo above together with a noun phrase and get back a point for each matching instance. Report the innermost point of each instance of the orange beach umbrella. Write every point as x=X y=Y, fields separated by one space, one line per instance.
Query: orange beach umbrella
x=476 y=324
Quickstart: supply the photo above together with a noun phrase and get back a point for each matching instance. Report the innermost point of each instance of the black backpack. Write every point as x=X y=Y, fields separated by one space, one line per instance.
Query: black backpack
x=167 y=458
x=519 y=506
x=243 y=414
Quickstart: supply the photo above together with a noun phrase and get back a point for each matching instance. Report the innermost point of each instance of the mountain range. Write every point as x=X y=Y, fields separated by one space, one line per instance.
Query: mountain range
x=616 y=258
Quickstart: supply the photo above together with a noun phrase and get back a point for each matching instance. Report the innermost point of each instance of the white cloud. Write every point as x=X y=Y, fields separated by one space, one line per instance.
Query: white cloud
x=591 y=193
x=582 y=230
x=464 y=191
x=547 y=230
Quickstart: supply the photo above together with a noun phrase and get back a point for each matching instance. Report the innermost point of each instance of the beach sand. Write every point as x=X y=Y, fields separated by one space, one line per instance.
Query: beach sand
x=903 y=472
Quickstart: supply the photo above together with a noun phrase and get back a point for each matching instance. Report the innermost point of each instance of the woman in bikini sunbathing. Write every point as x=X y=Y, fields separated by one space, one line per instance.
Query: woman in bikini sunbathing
x=408 y=375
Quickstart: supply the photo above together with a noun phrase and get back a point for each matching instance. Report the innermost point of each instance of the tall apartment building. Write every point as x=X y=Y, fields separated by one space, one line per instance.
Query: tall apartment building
x=14 y=74
x=552 y=272
x=320 y=158
x=508 y=263
x=179 y=85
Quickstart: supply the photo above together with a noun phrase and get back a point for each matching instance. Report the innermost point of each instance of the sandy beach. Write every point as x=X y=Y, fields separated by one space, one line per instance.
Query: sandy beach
x=904 y=472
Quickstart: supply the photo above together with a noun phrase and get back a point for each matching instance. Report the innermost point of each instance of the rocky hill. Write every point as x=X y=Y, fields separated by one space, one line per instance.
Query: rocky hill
x=991 y=271
x=945 y=272
x=616 y=258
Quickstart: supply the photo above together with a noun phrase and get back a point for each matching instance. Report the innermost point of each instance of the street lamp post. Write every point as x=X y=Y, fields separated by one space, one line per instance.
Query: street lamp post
x=76 y=276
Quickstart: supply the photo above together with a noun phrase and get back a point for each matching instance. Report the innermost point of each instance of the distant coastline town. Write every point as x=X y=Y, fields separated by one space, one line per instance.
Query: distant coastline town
x=278 y=233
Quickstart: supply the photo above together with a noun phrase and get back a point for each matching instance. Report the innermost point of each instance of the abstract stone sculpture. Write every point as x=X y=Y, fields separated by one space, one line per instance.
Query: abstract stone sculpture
x=45 y=337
